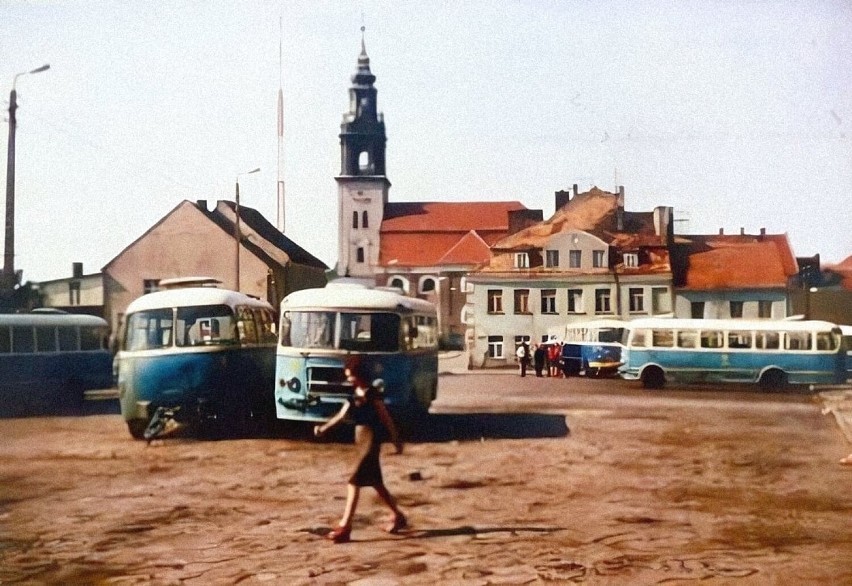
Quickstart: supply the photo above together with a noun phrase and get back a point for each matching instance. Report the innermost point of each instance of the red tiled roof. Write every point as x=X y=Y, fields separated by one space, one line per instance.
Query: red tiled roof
x=731 y=265
x=448 y=216
x=441 y=233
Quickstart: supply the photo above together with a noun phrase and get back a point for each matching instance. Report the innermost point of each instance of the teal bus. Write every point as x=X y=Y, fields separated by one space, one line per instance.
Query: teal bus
x=770 y=353
x=393 y=336
x=49 y=359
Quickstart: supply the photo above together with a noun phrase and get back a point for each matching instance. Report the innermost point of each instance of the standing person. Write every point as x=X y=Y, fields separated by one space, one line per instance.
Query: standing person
x=539 y=355
x=524 y=357
x=553 y=354
x=372 y=420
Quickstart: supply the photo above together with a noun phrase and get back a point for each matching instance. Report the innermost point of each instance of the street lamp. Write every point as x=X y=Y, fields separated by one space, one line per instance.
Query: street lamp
x=8 y=277
x=237 y=226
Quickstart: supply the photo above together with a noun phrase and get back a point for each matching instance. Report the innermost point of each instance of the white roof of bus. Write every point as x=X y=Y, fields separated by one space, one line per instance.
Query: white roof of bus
x=846 y=330
x=341 y=296
x=730 y=324
x=191 y=296
x=51 y=319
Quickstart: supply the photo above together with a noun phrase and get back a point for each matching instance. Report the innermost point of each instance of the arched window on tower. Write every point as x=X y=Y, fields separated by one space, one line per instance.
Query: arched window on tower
x=427 y=284
x=365 y=222
x=364 y=161
x=355 y=220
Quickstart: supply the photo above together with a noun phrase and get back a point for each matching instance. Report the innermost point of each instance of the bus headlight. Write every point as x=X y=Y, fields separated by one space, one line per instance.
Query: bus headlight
x=294 y=385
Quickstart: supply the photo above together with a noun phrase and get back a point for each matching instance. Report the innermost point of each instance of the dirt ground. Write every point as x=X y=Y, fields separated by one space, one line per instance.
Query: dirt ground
x=516 y=481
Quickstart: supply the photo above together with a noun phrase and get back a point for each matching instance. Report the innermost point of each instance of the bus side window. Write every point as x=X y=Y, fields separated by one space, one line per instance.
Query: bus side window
x=797 y=341
x=739 y=339
x=768 y=341
x=640 y=339
x=687 y=339
x=45 y=338
x=711 y=339
x=22 y=339
x=246 y=326
x=90 y=338
x=662 y=338
x=68 y=339
x=826 y=341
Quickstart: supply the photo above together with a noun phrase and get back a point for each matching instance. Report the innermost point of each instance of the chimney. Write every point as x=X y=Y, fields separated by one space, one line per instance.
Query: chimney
x=742 y=231
x=762 y=233
x=562 y=198
x=202 y=204
x=619 y=212
x=721 y=231
x=575 y=190
x=76 y=270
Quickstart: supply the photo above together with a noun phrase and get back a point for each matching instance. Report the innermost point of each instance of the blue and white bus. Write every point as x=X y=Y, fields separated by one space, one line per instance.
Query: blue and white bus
x=769 y=353
x=48 y=360
x=395 y=337
x=590 y=348
x=205 y=354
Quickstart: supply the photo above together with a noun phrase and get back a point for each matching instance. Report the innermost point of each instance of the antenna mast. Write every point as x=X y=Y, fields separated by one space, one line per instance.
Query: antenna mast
x=280 y=224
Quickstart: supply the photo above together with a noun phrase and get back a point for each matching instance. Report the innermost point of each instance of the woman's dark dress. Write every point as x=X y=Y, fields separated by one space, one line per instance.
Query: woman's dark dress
x=369 y=432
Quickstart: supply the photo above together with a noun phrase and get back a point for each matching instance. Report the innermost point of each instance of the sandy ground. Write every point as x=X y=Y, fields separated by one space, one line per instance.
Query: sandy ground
x=532 y=481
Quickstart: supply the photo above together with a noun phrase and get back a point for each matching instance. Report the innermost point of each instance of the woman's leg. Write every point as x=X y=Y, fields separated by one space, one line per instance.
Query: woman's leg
x=352 y=492
x=399 y=521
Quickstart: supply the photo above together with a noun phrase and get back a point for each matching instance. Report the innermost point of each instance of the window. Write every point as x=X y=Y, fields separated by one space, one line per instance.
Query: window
x=150 y=285
x=574 y=258
x=696 y=310
x=427 y=284
x=364 y=161
x=522 y=301
x=495 y=301
x=826 y=341
x=660 y=300
x=67 y=338
x=797 y=341
x=551 y=258
x=522 y=260
x=520 y=340
x=637 y=299
x=739 y=339
x=359 y=254
x=575 y=300
x=399 y=283
x=5 y=339
x=45 y=339
x=548 y=300
x=764 y=309
x=355 y=220
x=602 y=301
x=736 y=309
x=598 y=259
x=74 y=293
x=631 y=260
x=687 y=339
x=365 y=221
x=662 y=338
x=768 y=340
x=711 y=339
x=495 y=346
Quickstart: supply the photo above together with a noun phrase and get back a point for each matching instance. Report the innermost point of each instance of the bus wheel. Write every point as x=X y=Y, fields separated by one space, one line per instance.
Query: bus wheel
x=137 y=428
x=653 y=378
x=773 y=380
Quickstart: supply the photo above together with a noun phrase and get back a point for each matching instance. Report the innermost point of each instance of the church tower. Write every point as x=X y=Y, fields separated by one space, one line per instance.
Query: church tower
x=362 y=184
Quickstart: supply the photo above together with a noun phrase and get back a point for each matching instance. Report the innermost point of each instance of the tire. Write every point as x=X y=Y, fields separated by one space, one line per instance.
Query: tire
x=773 y=380
x=653 y=378
x=137 y=428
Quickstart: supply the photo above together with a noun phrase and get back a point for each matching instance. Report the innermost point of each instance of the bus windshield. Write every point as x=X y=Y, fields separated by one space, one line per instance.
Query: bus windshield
x=192 y=326
x=361 y=332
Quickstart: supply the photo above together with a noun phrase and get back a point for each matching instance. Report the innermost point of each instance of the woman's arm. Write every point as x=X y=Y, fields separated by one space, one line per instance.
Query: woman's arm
x=336 y=419
x=386 y=418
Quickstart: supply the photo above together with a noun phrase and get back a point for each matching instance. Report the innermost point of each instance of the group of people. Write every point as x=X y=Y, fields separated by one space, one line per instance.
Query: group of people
x=543 y=357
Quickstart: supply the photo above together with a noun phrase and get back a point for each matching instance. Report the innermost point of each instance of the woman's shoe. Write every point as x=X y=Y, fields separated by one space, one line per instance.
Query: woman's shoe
x=398 y=524
x=340 y=534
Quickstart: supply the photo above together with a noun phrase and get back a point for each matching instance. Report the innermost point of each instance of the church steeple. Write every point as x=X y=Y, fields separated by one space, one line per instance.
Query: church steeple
x=362 y=184
x=362 y=133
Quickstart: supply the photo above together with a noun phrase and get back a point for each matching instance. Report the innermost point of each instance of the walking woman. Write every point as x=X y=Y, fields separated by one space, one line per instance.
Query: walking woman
x=367 y=411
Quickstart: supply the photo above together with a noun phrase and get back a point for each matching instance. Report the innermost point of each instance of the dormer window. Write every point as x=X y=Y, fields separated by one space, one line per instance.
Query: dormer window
x=551 y=259
x=598 y=259
x=631 y=260
x=522 y=260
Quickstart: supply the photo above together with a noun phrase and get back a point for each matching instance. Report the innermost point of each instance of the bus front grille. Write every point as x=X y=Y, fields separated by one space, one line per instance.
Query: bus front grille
x=328 y=380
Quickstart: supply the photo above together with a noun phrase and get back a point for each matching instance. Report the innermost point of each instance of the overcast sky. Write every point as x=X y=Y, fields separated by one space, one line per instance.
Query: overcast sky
x=735 y=113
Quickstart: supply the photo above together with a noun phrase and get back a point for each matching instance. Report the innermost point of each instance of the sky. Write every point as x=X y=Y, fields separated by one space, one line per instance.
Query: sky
x=736 y=113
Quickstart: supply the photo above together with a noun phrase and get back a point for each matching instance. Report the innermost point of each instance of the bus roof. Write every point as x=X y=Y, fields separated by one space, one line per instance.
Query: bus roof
x=354 y=296
x=192 y=296
x=730 y=324
x=51 y=319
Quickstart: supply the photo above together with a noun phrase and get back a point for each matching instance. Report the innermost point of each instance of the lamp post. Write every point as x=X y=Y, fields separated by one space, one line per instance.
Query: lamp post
x=237 y=227
x=9 y=278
